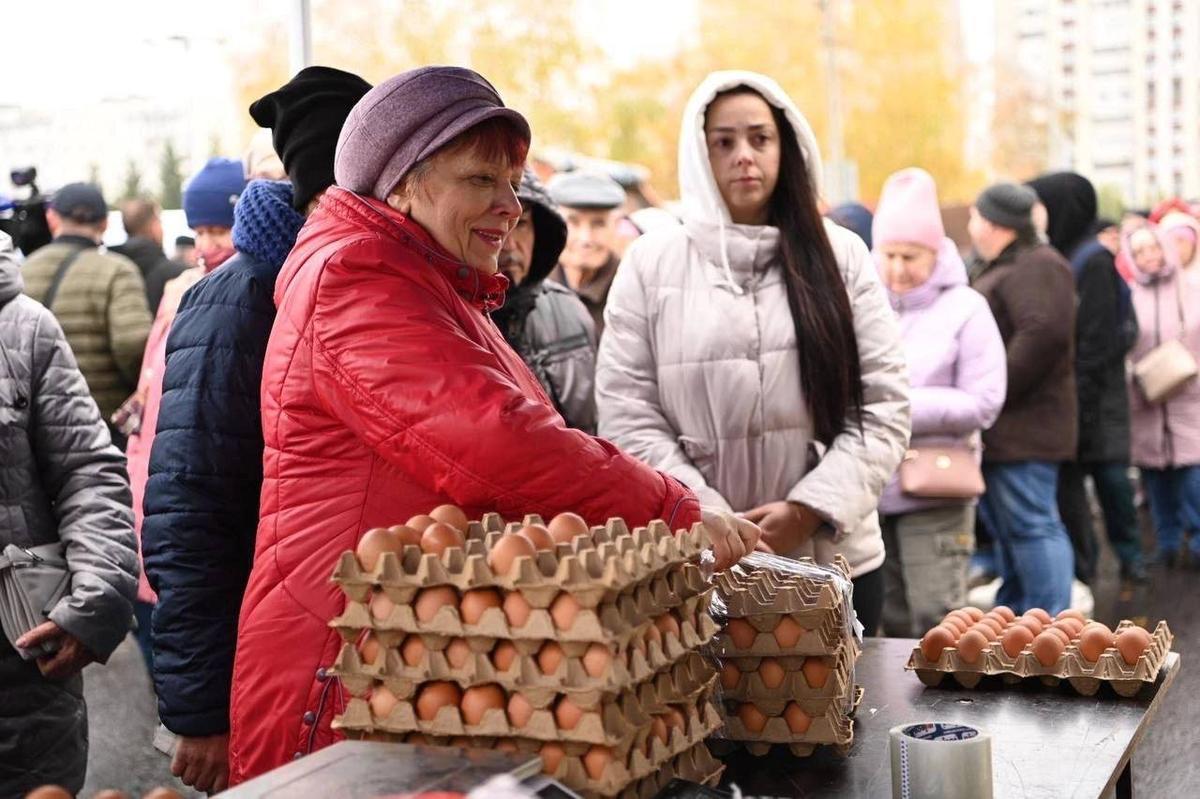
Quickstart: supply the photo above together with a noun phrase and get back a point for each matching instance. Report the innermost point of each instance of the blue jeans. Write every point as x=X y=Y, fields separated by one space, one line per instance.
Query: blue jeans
x=1174 y=496
x=1033 y=551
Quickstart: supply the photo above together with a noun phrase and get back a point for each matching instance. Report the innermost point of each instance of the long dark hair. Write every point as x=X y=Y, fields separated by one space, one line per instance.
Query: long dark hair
x=830 y=373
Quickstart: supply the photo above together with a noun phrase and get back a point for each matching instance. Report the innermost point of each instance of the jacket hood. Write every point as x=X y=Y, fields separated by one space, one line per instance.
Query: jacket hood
x=949 y=271
x=701 y=198
x=1177 y=219
x=265 y=224
x=11 y=283
x=549 y=228
x=1070 y=201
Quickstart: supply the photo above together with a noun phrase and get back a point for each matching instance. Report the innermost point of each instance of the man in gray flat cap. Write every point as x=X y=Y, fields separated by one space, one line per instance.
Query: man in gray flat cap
x=590 y=202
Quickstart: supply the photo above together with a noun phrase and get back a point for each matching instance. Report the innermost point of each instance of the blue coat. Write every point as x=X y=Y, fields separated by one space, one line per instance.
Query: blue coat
x=201 y=504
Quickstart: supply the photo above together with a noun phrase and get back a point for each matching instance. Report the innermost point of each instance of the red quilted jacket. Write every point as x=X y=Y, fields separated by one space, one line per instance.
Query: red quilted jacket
x=386 y=392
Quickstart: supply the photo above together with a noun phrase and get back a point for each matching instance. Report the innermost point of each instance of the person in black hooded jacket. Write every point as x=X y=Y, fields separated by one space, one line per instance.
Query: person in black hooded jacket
x=544 y=321
x=1105 y=330
x=206 y=465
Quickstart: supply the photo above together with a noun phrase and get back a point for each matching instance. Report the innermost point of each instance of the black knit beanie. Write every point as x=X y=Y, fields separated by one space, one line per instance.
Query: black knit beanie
x=1007 y=205
x=305 y=116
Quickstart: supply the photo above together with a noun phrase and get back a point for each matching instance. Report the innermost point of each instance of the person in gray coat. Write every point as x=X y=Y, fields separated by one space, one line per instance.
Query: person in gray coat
x=62 y=480
x=544 y=321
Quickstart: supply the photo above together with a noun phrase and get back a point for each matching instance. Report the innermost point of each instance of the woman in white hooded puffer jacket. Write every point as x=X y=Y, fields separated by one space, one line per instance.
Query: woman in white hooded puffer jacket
x=699 y=371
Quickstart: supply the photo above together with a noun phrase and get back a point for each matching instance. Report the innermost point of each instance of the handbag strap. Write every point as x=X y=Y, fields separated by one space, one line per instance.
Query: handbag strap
x=59 y=274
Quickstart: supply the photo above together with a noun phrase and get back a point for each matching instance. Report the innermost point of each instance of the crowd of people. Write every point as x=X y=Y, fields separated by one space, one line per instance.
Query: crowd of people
x=391 y=311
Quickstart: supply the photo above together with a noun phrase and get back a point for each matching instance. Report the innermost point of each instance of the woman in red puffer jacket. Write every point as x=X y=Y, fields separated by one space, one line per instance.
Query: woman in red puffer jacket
x=387 y=391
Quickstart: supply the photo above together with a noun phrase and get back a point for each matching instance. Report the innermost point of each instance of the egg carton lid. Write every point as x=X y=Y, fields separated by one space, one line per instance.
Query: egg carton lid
x=750 y=687
x=1084 y=676
x=823 y=638
x=601 y=566
x=833 y=727
x=615 y=622
x=613 y=722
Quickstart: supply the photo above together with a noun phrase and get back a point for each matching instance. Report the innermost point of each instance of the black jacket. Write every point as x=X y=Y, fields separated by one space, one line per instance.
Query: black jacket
x=155 y=266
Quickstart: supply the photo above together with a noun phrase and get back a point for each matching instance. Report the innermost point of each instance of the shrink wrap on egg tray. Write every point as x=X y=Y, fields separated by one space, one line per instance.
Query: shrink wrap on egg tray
x=786 y=655
x=1086 y=661
x=585 y=651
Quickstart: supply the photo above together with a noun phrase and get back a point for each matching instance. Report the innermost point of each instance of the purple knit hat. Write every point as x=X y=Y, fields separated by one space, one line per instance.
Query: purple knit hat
x=406 y=119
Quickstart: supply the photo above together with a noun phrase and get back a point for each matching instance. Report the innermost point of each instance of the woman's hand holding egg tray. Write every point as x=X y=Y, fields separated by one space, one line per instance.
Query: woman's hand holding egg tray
x=970 y=644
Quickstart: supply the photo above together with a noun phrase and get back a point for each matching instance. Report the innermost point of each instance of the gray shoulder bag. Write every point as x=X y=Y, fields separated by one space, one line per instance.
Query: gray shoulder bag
x=32 y=581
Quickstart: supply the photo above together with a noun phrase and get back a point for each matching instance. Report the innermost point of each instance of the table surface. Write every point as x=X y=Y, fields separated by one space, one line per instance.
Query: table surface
x=1046 y=742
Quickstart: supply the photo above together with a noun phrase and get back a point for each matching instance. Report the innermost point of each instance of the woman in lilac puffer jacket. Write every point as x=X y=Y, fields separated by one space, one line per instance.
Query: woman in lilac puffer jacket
x=957 y=372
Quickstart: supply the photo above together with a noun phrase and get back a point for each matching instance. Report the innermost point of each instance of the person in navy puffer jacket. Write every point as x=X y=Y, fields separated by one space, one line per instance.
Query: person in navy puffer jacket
x=202 y=495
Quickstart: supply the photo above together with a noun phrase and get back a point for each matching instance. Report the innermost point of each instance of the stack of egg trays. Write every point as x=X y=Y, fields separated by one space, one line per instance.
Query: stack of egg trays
x=621 y=579
x=1085 y=677
x=762 y=590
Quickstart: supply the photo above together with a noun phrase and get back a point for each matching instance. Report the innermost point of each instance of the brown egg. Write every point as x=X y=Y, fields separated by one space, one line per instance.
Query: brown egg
x=1093 y=640
x=520 y=711
x=969 y=646
x=797 y=720
x=1070 y=625
x=373 y=544
x=675 y=720
x=111 y=793
x=975 y=613
x=381 y=606
x=407 y=536
x=996 y=617
x=955 y=623
x=667 y=623
x=652 y=635
x=752 y=718
x=506 y=745
x=438 y=537
x=420 y=522
x=1040 y=615
x=507 y=550
x=788 y=632
x=516 y=610
x=566 y=526
x=549 y=657
x=479 y=700
x=935 y=641
x=963 y=616
x=1005 y=611
x=451 y=515
x=1072 y=613
x=771 y=673
x=816 y=672
x=430 y=600
x=1015 y=639
x=1060 y=633
x=538 y=535
x=162 y=793
x=741 y=633
x=1131 y=643
x=731 y=675
x=416 y=739
x=413 y=650
x=596 y=660
x=992 y=623
x=552 y=754
x=1048 y=648
x=381 y=702
x=475 y=602
x=1034 y=626
x=368 y=649
x=658 y=729
x=458 y=652
x=563 y=611
x=567 y=714
x=434 y=696
x=596 y=761
x=503 y=655
x=985 y=630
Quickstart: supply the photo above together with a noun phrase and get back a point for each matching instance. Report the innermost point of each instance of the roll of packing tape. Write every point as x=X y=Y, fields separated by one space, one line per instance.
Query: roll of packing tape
x=937 y=760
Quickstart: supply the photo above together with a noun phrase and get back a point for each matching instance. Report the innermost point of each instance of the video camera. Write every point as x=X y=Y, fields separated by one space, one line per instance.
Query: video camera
x=25 y=220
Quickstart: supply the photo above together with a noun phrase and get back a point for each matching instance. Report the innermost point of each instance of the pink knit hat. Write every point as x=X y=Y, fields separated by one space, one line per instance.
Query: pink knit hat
x=908 y=211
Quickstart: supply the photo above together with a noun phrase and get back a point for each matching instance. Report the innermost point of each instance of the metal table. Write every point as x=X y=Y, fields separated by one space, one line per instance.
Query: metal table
x=1046 y=742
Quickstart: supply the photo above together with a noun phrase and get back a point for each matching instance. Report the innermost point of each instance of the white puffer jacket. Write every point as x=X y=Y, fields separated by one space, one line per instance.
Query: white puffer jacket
x=698 y=373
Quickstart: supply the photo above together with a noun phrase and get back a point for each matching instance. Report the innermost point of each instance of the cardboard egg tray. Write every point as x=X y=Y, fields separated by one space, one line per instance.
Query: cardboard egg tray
x=595 y=568
x=1084 y=676
x=610 y=721
x=770 y=591
x=619 y=624
x=750 y=686
x=830 y=727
